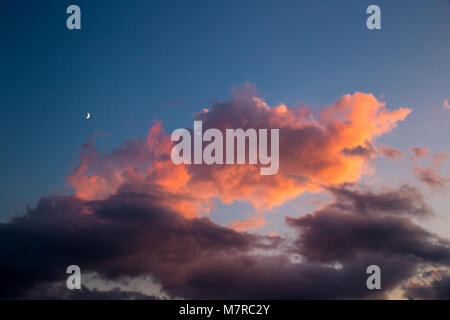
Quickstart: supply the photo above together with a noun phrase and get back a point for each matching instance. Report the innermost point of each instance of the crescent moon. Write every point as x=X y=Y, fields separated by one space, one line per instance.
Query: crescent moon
x=88 y=115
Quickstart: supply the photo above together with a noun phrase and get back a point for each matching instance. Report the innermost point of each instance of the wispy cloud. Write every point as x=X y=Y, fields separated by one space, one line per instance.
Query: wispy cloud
x=430 y=175
x=390 y=152
x=419 y=153
x=249 y=224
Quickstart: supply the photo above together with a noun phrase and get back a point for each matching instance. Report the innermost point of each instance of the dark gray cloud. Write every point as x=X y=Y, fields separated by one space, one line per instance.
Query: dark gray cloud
x=126 y=235
x=406 y=200
x=361 y=221
x=245 y=277
x=330 y=235
x=367 y=151
x=438 y=289
x=132 y=235
x=59 y=291
x=362 y=227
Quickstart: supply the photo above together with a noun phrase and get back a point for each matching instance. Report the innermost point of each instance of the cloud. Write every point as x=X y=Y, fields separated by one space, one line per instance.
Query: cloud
x=429 y=285
x=135 y=235
x=390 y=152
x=406 y=200
x=419 y=153
x=439 y=290
x=329 y=235
x=135 y=214
x=332 y=148
x=371 y=232
x=59 y=291
x=249 y=224
x=127 y=235
x=367 y=151
x=124 y=235
x=430 y=175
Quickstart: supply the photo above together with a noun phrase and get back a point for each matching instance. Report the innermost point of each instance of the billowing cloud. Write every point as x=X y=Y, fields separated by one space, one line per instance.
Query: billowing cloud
x=134 y=235
x=361 y=229
x=125 y=235
x=135 y=214
x=430 y=284
x=332 y=148
x=406 y=200
x=358 y=234
x=438 y=290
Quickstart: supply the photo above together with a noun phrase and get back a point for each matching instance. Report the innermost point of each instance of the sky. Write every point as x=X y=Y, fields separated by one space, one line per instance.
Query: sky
x=363 y=126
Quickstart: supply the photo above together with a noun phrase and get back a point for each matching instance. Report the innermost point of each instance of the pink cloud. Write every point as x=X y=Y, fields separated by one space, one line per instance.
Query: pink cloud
x=390 y=152
x=252 y=223
x=430 y=175
x=313 y=152
x=419 y=153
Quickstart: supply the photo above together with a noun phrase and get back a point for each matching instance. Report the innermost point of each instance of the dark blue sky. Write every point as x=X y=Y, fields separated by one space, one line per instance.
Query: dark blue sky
x=135 y=61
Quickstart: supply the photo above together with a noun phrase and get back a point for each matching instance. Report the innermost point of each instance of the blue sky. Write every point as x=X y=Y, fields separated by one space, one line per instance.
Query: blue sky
x=136 y=61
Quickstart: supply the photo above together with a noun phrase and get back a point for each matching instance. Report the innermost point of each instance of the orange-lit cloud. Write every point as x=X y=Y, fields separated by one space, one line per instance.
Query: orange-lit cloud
x=330 y=149
x=252 y=223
